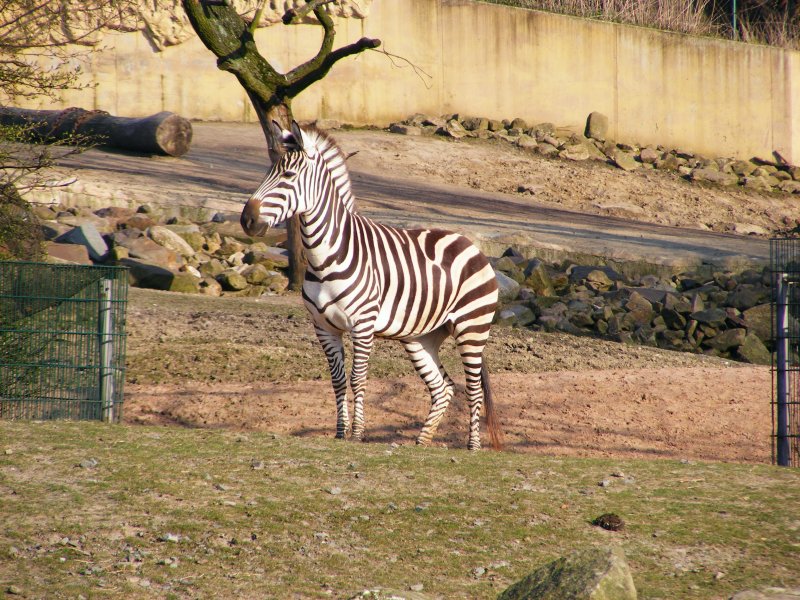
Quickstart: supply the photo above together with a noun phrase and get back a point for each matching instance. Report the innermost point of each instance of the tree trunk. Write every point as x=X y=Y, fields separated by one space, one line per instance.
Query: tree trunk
x=282 y=114
x=162 y=133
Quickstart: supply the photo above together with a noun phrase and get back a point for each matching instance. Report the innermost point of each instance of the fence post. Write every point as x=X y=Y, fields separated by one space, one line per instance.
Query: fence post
x=106 y=386
x=782 y=370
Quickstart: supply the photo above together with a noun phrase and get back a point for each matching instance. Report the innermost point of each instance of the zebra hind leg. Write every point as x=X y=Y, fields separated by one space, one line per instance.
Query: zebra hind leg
x=424 y=354
x=334 y=351
x=471 y=343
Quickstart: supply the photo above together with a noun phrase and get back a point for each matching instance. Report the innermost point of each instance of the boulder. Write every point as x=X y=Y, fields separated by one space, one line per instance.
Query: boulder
x=597 y=126
x=649 y=155
x=709 y=175
x=67 y=253
x=727 y=340
x=715 y=317
x=515 y=314
x=508 y=289
x=538 y=279
x=754 y=351
x=624 y=160
x=86 y=234
x=575 y=152
x=475 y=123
x=145 y=249
x=170 y=240
x=232 y=281
x=156 y=277
x=758 y=321
x=210 y=287
x=590 y=574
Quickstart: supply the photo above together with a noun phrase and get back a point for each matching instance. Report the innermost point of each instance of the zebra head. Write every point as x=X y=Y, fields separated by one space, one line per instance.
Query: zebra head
x=282 y=194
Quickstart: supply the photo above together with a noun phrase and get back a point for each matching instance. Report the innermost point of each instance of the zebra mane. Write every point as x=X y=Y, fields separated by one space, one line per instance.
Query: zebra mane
x=335 y=159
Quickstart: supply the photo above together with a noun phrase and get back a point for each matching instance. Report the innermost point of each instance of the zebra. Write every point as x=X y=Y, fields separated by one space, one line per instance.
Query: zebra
x=417 y=286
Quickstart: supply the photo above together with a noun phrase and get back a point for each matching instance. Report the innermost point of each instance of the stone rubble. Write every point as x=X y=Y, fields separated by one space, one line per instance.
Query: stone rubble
x=758 y=173
x=726 y=315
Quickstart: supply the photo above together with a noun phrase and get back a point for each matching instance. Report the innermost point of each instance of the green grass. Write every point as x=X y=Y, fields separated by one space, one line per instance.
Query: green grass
x=183 y=513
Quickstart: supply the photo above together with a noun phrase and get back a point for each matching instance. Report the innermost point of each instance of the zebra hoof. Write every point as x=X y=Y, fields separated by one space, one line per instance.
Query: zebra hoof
x=423 y=442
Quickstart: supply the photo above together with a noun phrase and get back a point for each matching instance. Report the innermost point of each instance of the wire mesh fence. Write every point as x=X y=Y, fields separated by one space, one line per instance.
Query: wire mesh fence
x=785 y=268
x=62 y=341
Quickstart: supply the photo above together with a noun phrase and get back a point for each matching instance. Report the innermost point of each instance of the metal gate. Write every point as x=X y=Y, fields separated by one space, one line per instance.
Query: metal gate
x=785 y=267
x=62 y=341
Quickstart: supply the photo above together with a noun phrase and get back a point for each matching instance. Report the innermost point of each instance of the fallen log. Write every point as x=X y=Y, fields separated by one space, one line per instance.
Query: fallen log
x=162 y=133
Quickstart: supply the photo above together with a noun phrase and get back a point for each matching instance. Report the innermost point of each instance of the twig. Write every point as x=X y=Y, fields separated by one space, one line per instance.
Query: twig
x=418 y=71
x=257 y=17
x=292 y=14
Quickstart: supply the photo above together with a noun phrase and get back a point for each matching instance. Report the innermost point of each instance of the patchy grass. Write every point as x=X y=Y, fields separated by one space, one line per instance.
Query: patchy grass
x=203 y=513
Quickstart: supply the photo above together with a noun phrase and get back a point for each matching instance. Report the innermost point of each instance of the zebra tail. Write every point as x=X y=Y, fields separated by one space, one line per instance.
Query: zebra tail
x=492 y=424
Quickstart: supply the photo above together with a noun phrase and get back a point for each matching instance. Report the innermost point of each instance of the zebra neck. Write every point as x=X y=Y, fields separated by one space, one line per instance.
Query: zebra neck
x=327 y=229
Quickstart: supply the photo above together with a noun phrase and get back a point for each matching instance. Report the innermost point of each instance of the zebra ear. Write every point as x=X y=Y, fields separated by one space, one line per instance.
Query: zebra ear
x=298 y=135
x=277 y=134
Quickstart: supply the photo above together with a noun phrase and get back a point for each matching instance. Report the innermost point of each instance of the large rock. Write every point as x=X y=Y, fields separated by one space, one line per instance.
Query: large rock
x=67 y=253
x=727 y=340
x=170 y=240
x=155 y=277
x=591 y=574
x=508 y=289
x=754 y=351
x=710 y=175
x=597 y=126
x=538 y=279
x=145 y=249
x=86 y=234
x=758 y=320
x=624 y=160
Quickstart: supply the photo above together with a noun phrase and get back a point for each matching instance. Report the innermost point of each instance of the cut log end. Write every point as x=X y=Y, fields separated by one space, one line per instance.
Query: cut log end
x=174 y=135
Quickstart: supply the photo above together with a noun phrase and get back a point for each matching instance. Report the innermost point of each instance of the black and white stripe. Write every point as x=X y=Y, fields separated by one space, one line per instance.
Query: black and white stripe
x=417 y=286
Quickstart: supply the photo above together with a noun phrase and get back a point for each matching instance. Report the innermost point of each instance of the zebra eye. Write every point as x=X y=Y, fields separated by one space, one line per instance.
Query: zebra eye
x=289 y=173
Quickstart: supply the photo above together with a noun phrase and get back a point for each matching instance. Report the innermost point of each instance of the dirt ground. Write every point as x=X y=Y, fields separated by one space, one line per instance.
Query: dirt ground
x=589 y=187
x=255 y=364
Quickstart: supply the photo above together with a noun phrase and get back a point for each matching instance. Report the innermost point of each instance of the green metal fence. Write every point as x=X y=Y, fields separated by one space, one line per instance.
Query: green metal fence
x=62 y=341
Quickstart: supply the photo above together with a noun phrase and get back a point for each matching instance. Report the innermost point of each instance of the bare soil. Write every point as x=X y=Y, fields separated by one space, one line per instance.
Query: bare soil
x=254 y=364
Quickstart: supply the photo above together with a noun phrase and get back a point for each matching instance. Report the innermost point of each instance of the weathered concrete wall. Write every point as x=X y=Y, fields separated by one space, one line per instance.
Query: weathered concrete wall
x=711 y=96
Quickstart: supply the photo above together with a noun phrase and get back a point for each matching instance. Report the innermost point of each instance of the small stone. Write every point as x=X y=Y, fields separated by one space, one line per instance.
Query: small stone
x=334 y=491
x=417 y=587
x=256 y=465
x=88 y=463
x=478 y=572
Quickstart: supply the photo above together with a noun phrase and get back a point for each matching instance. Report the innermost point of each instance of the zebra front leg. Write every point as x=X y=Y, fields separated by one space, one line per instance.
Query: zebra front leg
x=424 y=354
x=363 y=338
x=334 y=351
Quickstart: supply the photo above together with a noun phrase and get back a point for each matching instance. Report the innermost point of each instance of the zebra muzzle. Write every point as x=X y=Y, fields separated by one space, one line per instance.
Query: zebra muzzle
x=251 y=218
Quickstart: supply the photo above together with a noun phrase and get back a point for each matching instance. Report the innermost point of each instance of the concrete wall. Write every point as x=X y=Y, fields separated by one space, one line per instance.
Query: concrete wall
x=710 y=96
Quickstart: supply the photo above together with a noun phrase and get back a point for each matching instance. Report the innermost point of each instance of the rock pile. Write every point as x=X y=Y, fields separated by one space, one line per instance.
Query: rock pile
x=727 y=315
x=548 y=140
x=167 y=253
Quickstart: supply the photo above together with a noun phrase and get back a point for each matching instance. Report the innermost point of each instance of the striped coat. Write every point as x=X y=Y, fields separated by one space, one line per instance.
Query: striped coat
x=417 y=286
